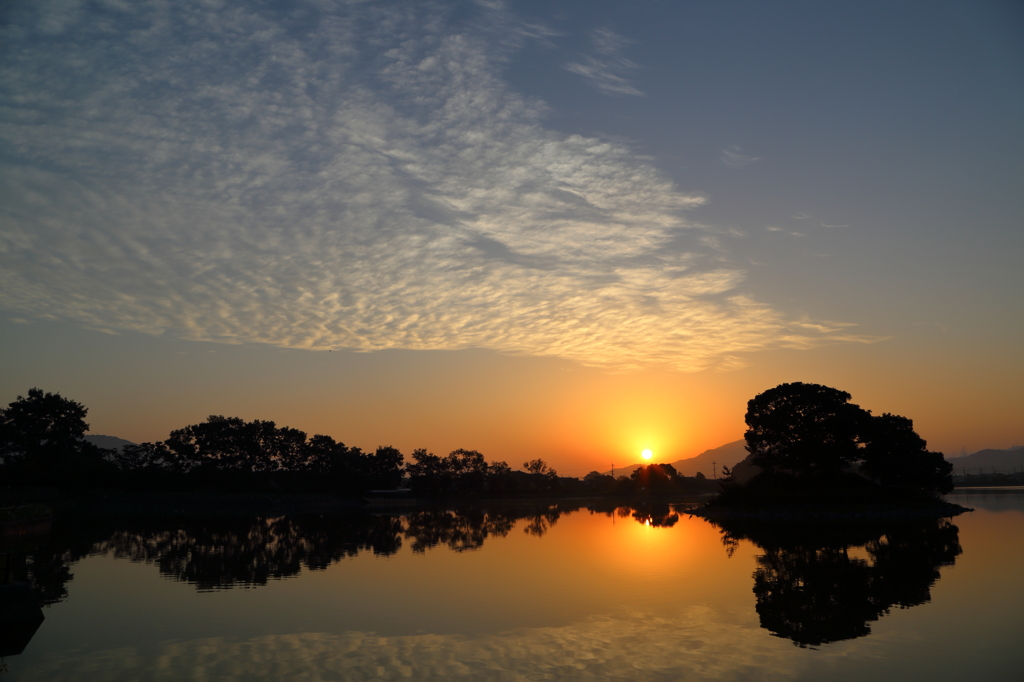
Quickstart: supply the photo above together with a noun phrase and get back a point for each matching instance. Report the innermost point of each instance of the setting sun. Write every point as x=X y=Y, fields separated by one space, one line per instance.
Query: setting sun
x=647 y=454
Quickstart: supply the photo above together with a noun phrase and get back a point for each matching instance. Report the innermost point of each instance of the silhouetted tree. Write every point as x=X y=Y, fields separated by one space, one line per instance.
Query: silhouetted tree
x=326 y=457
x=598 y=482
x=146 y=457
x=807 y=439
x=499 y=478
x=461 y=472
x=41 y=425
x=41 y=442
x=384 y=467
x=542 y=478
x=229 y=443
x=536 y=466
x=898 y=458
x=428 y=474
x=331 y=466
x=468 y=470
x=148 y=466
x=655 y=478
x=218 y=443
x=283 y=449
x=803 y=429
x=229 y=451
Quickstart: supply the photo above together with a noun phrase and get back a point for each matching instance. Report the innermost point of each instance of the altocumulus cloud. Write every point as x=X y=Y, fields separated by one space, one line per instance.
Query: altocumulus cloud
x=340 y=175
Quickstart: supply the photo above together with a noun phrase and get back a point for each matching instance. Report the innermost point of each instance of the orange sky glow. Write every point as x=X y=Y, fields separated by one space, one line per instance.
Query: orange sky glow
x=512 y=226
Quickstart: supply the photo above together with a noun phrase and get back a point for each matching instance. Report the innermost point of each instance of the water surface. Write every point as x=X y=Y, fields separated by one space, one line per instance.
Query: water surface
x=570 y=593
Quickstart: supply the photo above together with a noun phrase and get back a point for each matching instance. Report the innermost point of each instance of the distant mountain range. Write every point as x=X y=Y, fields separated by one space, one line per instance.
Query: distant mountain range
x=1003 y=461
x=707 y=462
x=107 y=442
x=730 y=454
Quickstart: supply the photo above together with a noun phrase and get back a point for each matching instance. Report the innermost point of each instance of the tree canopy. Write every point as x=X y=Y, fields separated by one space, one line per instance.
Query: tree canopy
x=803 y=428
x=41 y=441
x=41 y=425
x=812 y=431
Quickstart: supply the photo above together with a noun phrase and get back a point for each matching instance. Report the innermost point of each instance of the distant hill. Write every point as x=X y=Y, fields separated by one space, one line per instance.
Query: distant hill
x=1003 y=461
x=107 y=442
x=727 y=455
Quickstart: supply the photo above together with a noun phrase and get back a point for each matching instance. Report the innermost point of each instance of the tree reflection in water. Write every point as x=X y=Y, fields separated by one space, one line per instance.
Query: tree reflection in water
x=459 y=530
x=814 y=583
x=818 y=583
x=235 y=551
x=658 y=515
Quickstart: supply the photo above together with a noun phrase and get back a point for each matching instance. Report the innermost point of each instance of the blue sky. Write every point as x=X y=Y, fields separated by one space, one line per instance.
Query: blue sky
x=631 y=187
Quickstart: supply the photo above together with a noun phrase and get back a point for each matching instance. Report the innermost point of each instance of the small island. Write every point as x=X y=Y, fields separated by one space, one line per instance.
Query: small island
x=814 y=454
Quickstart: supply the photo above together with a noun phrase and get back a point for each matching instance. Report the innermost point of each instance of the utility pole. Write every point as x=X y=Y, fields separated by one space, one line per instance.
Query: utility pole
x=714 y=470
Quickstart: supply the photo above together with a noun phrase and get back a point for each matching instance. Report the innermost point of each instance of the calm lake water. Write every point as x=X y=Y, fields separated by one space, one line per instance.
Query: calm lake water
x=567 y=594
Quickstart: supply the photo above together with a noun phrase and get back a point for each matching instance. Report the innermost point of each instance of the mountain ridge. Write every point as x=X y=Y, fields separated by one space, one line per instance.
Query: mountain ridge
x=709 y=462
x=107 y=442
x=1003 y=461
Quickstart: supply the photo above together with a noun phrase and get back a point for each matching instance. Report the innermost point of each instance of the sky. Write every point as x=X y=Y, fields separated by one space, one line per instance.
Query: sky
x=567 y=230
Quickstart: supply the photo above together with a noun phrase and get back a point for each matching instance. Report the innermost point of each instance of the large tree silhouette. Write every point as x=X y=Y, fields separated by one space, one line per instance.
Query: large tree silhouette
x=41 y=442
x=41 y=424
x=803 y=429
x=898 y=458
x=807 y=436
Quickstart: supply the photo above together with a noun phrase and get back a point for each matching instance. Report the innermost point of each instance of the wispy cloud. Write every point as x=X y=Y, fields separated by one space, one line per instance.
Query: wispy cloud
x=227 y=173
x=607 y=70
x=792 y=233
x=734 y=158
x=510 y=30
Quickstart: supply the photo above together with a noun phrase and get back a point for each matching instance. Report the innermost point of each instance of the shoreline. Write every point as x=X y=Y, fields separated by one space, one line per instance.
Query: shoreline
x=843 y=512
x=226 y=504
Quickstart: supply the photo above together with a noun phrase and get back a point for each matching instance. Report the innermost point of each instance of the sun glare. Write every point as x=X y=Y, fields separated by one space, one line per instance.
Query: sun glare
x=647 y=454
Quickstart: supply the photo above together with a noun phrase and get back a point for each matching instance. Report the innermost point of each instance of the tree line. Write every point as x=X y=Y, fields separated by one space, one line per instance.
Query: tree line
x=41 y=444
x=808 y=442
